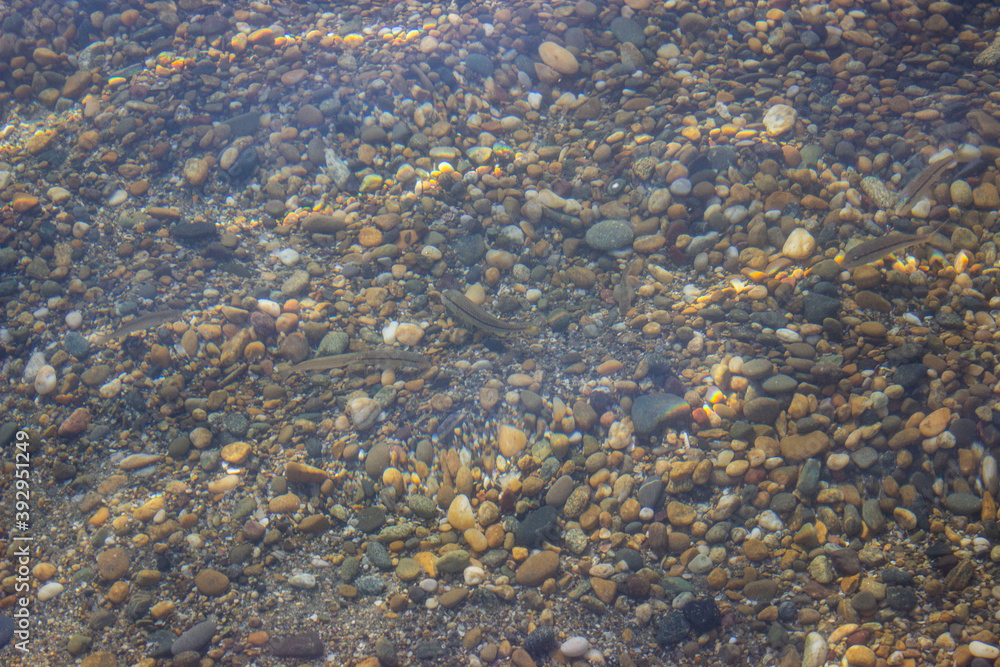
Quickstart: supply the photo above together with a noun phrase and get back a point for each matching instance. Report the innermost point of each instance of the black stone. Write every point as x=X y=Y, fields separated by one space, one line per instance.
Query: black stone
x=818 y=307
x=537 y=526
x=908 y=376
x=893 y=576
x=76 y=345
x=952 y=321
x=769 y=319
x=901 y=598
x=540 y=642
x=703 y=615
x=673 y=628
x=965 y=431
x=193 y=231
x=371 y=519
x=244 y=165
x=631 y=557
x=469 y=249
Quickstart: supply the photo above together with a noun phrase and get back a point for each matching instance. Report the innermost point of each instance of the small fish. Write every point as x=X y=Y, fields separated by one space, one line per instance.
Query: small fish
x=384 y=357
x=140 y=323
x=446 y=430
x=470 y=313
x=921 y=184
x=623 y=291
x=876 y=248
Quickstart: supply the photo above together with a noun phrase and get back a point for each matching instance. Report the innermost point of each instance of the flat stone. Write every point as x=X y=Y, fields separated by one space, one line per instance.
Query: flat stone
x=762 y=410
x=963 y=503
x=303 y=645
x=650 y=412
x=537 y=568
x=610 y=235
x=211 y=582
x=194 y=638
x=801 y=447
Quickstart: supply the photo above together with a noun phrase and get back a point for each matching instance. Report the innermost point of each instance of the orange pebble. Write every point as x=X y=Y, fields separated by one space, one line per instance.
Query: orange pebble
x=286 y=322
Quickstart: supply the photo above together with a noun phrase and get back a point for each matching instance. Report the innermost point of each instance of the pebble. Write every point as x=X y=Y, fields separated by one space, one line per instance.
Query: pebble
x=558 y=58
x=779 y=119
x=537 y=568
x=574 y=647
x=610 y=235
x=194 y=638
x=460 y=513
x=799 y=245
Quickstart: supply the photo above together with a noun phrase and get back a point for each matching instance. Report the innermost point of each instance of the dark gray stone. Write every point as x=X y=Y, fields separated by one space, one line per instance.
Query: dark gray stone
x=808 y=483
x=872 y=515
x=194 y=638
x=901 y=598
x=651 y=412
x=908 y=376
x=469 y=249
x=370 y=519
x=479 y=64
x=963 y=503
x=302 y=645
x=627 y=30
x=610 y=235
x=818 y=307
x=378 y=555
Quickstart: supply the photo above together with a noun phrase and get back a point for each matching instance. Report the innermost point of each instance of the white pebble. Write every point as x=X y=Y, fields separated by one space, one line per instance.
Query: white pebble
x=74 y=319
x=428 y=585
x=967 y=153
x=535 y=100
x=646 y=514
x=45 y=380
x=921 y=209
x=288 y=256
x=983 y=650
x=602 y=570
x=787 y=335
x=533 y=295
x=768 y=520
x=680 y=187
x=814 y=653
x=389 y=332
x=111 y=388
x=473 y=575
x=431 y=253
x=269 y=307
x=117 y=197
x=50 y=590
x=302 y=580
x=574 y=647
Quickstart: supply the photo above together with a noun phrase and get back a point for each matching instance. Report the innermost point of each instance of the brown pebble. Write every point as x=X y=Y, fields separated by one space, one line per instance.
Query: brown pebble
x=537 y=568
x=211 y=582
x=112 y=564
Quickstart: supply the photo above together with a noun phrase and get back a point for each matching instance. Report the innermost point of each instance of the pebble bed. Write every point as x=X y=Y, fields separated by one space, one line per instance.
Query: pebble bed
x=676 y=430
